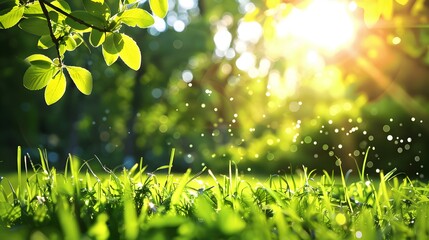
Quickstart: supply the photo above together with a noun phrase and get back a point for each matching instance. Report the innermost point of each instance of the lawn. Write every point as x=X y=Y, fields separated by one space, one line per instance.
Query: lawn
x=134 y=204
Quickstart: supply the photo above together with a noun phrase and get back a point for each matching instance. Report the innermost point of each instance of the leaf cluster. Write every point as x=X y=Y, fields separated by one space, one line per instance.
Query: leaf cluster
x=65 y=29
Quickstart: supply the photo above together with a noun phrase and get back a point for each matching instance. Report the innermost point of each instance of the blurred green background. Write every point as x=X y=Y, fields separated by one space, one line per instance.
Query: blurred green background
x=270 y=85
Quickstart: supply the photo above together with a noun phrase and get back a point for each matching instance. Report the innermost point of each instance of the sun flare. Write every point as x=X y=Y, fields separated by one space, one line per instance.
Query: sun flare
x=327 y=25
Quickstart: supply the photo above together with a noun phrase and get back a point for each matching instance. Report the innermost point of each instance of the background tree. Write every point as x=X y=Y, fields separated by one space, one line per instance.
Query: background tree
x=249 y=81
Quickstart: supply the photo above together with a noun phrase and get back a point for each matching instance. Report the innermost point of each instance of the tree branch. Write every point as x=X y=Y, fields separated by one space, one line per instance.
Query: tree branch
x=51 y=31
x=78 y=20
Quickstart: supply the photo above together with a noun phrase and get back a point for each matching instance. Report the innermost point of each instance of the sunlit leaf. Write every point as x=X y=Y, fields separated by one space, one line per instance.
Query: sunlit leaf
x=114 y=43
x=61 y=4
x=45 y=42
x=33 y=8
x=71 y=44
x=35 y=25
x=82 y=79
x=96 y=38
x=137 y=17
x=98 y=8
x=130 y=53
x=87 y=18
x=55 y=88
x=11 y=18
x=39 y=60
x=36 y=78
x=159 y=7
x=109 y=58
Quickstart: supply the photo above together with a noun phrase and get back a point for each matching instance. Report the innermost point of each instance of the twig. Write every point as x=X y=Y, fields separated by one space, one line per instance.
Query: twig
x=51 y=32
x=78 y=20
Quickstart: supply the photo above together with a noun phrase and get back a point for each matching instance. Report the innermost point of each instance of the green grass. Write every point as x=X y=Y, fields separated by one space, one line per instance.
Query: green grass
x=134 y=204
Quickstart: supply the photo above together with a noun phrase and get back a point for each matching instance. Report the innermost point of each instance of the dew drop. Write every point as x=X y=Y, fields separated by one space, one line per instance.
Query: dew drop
x=386 y=128
x=356 y=153
x=358 y=234
x=369 y=164
x=389 y=137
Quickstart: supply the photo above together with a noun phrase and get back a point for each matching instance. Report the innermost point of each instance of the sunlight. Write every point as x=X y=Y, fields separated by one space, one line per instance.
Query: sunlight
x=326 y=25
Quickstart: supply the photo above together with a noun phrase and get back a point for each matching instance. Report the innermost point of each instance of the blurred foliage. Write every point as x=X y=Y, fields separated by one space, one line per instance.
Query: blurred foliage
x=229 y=80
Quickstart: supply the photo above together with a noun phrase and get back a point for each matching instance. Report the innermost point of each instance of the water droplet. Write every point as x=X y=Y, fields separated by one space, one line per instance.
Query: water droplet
x=386 y=128
x=340 y=146
x=369 y=164
x=203 y=105
x=356 y=153
x=389 y=137
x=413 y=119
x=338 y=162
x=358 y=234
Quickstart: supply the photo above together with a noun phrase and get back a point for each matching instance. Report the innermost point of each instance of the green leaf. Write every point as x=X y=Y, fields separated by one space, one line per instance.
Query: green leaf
x=109 y=58
x=130 y=53
x=82 y=79
x=45 y=42
x=36 y=78
x=35 y=25
x=96 y=38
x=11 y=18
x=33 y=8
x=159 y=7
x=54 y=15
x=71 y=43
x=56 y=88
x=98 y=8
x=86 y=17
x=39 y=60
x=136 y=17
x=114 y=43
x=63 y=5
